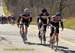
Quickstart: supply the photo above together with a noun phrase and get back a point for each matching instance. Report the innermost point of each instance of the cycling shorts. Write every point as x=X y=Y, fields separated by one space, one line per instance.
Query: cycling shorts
x=56 y=29
x=40 y=25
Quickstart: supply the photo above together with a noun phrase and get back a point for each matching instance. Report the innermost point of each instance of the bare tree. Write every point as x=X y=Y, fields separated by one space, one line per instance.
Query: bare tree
x=53 y=6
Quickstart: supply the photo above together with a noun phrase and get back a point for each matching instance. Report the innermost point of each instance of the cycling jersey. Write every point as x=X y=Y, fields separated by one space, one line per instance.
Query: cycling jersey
x=25 y=18
x=55 y=24
x=43 y=17
x=55 y=21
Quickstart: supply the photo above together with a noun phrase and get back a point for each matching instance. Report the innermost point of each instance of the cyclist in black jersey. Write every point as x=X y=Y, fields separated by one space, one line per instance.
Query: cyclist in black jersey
x=42 y=19
x=25 y=19
x=54 y=22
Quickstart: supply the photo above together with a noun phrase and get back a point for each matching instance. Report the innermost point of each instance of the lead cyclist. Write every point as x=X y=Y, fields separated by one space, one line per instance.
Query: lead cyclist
x=25 y=19
x=54 y=22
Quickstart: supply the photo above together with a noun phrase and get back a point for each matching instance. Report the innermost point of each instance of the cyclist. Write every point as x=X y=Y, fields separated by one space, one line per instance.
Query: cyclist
x=55 y=20
x=42 y=19
x=25 y=19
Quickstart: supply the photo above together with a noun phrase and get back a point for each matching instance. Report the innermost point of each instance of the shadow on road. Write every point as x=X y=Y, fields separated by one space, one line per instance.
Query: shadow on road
x=72 y=51
x=67 y=51
x=60 y=48
x=46 y=45
x=30 y=43
x=3 y=38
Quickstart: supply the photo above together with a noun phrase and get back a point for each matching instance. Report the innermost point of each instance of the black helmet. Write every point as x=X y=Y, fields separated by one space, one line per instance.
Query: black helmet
x=58 y=14
x=44 y=10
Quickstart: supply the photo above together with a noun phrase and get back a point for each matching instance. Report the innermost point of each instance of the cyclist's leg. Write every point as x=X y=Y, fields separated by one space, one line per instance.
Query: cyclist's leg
x=22 y=32
x=26 y=30
x=40 y=32
x=57 y=33
x=39 y=27
x=57 y=39
x=51 y=37
x=52 y=31
x=44 y=37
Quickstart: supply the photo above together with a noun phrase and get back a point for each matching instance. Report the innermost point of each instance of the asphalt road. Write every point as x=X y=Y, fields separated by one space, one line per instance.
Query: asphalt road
x=10 y=39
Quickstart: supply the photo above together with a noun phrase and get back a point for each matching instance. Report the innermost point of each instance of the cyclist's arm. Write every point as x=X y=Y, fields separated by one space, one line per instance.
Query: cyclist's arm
x=30 y=19
x=61 y=22
x=38 y=19
x=48 y=17
x=19 y=19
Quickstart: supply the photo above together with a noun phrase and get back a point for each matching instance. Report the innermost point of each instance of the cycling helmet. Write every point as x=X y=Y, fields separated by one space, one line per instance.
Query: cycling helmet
x=44 y=10
x=53 y=16
x=26 y=10
x=58 y=14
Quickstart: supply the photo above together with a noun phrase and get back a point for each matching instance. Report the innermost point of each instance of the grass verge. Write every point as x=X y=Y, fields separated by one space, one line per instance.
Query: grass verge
x=34 y=21
x=69 y=23
x=6 y=12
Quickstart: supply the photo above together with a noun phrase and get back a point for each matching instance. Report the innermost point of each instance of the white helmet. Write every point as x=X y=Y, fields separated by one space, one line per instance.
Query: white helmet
x=53 y=15
x=26 y=10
